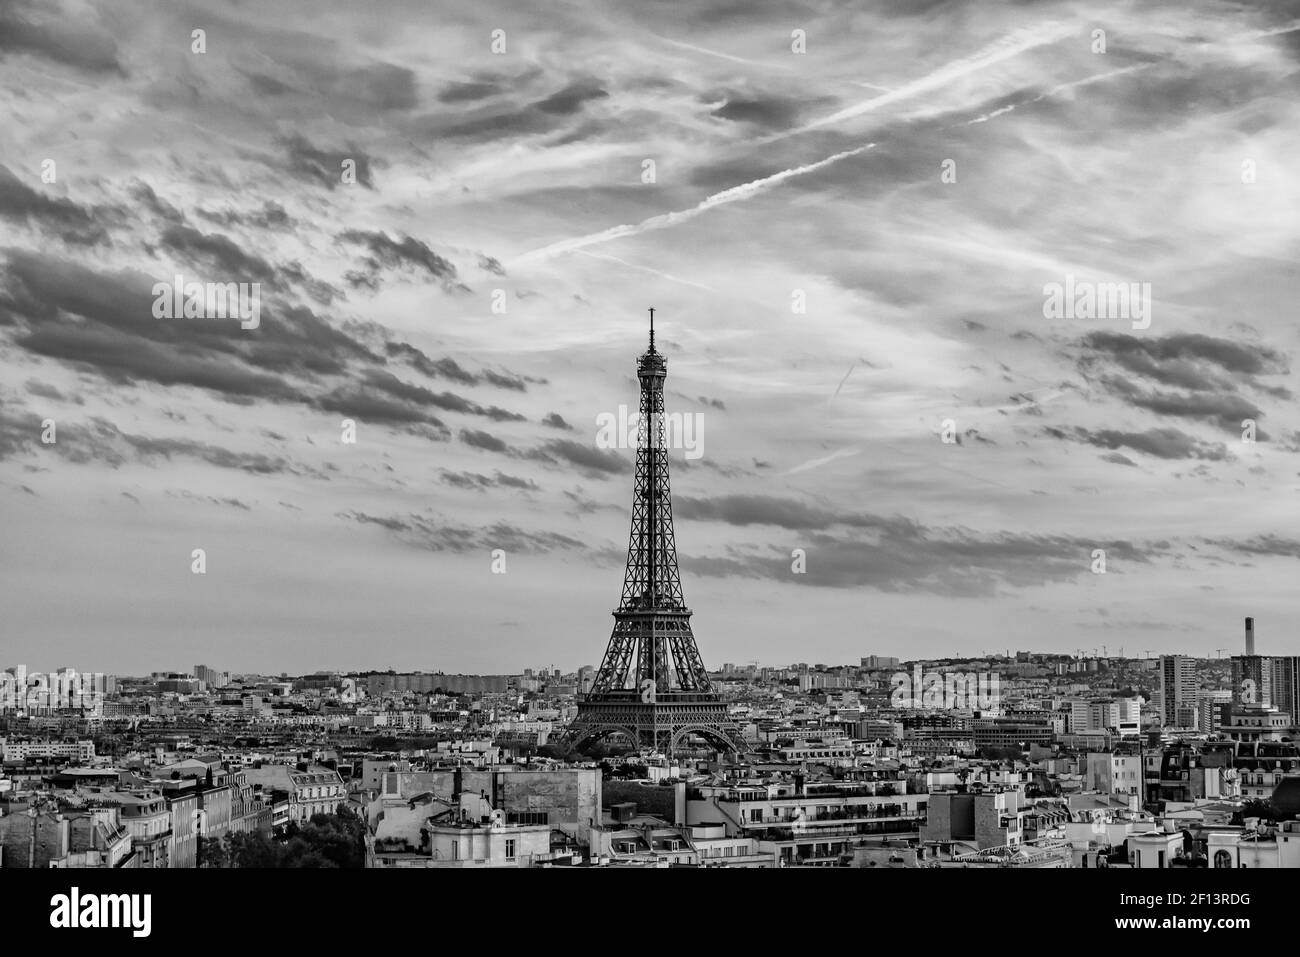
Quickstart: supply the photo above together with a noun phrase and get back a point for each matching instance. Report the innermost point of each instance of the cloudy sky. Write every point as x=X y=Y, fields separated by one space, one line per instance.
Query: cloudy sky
x=826 y=296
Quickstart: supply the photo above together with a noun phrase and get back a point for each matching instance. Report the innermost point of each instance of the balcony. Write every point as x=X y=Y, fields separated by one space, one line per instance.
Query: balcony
x=856 y=814
x=897 y=825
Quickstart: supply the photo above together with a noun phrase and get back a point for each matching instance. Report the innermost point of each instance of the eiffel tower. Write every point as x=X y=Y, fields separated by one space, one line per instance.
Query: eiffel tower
x=652 y=687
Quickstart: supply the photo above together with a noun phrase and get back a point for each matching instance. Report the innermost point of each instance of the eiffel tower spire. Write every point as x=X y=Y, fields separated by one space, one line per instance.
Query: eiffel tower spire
x=652 y=685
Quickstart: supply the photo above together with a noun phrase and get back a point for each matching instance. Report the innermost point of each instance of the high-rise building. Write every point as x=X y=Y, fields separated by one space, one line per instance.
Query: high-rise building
x=1209 y=708
x=1252 y=680
x=1286 y=686
x=877 y=662
x=1252 y=674
x=209 y=676
x=1177 y=690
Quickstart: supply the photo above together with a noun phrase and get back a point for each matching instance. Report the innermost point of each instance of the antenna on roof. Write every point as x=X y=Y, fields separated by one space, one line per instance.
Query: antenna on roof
x=652 y=329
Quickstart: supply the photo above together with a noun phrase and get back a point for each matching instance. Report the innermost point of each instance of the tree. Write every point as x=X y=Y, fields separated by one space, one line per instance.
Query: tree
x=325 y=841
x=1264 y=810
x=560 y=749
x=213 y=852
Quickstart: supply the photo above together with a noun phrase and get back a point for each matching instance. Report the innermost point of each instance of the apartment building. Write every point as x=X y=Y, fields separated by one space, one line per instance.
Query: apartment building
x=1177 y=690
x=980 y=818
x=812 y=824
x=312 y=790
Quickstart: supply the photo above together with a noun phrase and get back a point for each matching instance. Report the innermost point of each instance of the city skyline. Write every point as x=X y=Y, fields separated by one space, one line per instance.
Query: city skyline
x=854 y=243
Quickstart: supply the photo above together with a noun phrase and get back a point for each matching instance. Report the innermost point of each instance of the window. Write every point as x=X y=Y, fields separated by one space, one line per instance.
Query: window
x=455 y=850
x=510 y=849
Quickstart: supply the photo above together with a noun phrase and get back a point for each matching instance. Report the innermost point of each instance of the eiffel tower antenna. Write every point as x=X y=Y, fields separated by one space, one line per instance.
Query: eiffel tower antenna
x=652 y=686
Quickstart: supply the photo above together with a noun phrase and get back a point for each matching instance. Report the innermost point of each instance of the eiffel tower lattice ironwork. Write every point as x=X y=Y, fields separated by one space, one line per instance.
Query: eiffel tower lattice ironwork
x=652 y=686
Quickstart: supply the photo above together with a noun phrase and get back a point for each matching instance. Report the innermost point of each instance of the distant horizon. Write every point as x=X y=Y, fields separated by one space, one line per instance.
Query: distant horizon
x=570 y=671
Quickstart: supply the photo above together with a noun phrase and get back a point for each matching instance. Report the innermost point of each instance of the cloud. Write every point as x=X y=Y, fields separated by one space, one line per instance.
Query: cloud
x=1262 y=545
x=1164 y=443
x=325 y=167
x=404 y=253
x=74 y=224
x=893 y=553
x=144 y=195
x=353 y=402
x=1187 y=360
x=448 y=368
x=219 y=252
x=572 y=98
x=470 y=90
x=51 y=34
x=477 y=482
x=290 y=359
x=447 y=401
x=767 y=510
x=97 y=440
x=590 y=460
x=271 y=215
x=483 y=440
x=1118 y=458
x=438 y=534
x=770 y=112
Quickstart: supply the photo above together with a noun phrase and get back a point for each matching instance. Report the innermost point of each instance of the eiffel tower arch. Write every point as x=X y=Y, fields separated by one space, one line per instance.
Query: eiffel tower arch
x=652 y=687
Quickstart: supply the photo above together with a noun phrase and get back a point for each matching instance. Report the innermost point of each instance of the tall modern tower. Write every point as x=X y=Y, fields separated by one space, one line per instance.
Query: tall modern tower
x=1177 y=691
x=652 y=686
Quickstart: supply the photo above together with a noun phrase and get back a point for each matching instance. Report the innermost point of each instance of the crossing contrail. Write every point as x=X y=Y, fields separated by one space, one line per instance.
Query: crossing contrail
x=1004 y=49
x=1012 y=45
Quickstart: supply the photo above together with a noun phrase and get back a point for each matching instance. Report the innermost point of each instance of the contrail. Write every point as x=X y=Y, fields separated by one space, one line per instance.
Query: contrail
x=1004 y=49
x=842 y=381
x=849 y=451
x=1058 y=89
x=656 y=272
x=732 y=195
x=1259 y=34
x=720 y=55
x=815 y=463
x=1009 y=46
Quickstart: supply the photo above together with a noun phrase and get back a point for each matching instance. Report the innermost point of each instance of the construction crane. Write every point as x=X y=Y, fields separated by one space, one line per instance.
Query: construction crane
x=1220 y=651
x=1147 y=651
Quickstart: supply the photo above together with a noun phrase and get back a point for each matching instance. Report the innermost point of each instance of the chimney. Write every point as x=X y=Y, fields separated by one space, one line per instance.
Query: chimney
x=1250 y=636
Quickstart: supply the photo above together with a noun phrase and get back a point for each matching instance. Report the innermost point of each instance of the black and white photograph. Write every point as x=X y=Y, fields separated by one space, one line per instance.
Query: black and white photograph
x=660 y=436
